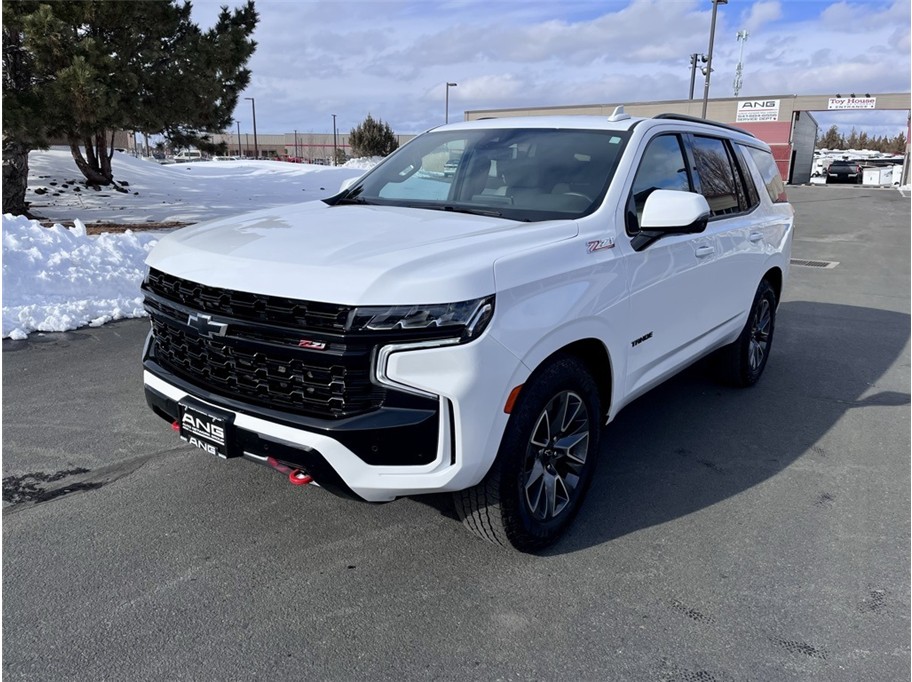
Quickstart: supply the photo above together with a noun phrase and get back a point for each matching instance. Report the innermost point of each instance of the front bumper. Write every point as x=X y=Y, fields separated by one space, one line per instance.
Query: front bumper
x=448 y=445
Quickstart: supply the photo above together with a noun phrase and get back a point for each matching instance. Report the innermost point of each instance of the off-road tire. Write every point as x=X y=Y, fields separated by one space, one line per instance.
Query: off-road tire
x=504 y=508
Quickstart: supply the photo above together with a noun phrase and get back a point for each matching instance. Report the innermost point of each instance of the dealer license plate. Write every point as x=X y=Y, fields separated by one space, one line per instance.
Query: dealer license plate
x=207 y=428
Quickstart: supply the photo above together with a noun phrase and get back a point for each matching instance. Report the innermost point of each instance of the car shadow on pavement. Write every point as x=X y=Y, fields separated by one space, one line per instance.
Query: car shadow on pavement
x=691 y=443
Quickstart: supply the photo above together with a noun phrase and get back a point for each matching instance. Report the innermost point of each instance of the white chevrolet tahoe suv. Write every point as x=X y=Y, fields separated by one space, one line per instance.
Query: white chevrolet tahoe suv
x=424 y=331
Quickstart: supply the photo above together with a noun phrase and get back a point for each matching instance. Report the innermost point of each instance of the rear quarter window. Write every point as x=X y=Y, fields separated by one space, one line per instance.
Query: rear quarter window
x=769 y=171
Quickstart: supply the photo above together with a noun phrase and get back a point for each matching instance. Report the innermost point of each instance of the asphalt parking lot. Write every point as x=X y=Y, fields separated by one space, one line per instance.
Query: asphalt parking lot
x=760 y=534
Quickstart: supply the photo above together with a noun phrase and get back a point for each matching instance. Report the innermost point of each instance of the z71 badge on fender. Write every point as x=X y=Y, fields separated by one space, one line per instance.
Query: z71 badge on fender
x=599 y=245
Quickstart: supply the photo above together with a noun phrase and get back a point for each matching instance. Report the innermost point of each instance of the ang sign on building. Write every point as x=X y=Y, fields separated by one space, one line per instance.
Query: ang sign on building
x=852 y=103
x=757 y=110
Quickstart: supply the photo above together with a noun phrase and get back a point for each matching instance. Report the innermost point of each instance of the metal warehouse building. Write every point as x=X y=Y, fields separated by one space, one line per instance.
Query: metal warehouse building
x=785 y=122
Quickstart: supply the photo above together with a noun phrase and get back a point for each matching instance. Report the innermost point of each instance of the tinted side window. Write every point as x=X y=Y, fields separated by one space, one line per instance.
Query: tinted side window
x=766 y=164
x=752 y=197
x=717 y=177
x=662 y=167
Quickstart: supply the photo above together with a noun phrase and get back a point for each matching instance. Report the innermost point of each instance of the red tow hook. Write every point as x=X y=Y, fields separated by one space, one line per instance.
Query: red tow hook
x=298 y=477
x=295 y=476
x=175 y=426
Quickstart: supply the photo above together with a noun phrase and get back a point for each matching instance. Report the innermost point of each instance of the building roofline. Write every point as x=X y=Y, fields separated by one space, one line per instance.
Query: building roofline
x=609 y=105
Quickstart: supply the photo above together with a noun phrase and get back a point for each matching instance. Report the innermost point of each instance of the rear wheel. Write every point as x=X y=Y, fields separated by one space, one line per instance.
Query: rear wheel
x=545 y=463
x=742 y=363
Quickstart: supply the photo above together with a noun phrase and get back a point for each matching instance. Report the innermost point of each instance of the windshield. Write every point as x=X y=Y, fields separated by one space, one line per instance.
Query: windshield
x=520 y=174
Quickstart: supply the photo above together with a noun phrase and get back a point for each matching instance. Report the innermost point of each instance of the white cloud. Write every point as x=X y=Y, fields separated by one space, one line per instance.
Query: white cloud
x=392 y=58
x=846 y=17
x=762 y=13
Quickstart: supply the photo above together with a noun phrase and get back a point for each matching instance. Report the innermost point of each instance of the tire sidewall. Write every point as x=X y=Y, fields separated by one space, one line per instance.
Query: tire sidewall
x=562 y=374
x=751 y=376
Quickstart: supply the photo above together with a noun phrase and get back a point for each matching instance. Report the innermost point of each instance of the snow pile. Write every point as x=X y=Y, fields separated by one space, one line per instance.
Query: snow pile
x=185 y=192
x=363 y=163
x=56 y=279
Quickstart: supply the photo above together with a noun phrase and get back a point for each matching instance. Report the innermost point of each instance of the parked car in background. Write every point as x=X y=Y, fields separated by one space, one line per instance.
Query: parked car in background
x=844 y=171
x=187 y=155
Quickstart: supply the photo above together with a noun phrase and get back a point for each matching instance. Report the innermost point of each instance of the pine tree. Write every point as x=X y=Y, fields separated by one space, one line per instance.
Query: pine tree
x=852 y=140
x=831 y=139
x=98 y=66
x=372 y=138
x=23 y=107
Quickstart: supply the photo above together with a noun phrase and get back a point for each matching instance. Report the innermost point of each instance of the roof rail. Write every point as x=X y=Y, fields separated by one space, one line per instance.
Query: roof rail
x=694 y=119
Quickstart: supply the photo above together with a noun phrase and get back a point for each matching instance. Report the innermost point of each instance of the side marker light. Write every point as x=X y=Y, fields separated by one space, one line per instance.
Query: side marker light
x=511 y=400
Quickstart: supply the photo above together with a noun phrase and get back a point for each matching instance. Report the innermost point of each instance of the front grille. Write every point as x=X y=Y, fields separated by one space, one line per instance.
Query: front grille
x=258 y=359
x=249 y=307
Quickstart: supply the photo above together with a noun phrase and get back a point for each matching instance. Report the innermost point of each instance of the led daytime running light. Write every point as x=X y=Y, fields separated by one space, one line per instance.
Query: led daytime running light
x=472 y=316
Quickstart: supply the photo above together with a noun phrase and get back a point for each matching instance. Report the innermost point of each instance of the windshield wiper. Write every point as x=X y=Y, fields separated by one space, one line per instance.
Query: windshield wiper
x=353 y=200
x=471 y=211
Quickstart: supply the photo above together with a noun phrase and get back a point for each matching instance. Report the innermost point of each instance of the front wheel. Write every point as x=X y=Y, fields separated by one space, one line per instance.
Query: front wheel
x=742 y=363
x=545 y=463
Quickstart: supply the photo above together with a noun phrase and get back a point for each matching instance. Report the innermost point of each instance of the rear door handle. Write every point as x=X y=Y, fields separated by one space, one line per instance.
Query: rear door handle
x=755 y=237
x=704 y=251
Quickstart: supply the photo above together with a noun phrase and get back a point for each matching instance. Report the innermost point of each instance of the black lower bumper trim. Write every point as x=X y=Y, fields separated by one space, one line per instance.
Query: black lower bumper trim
x=387 y=436
x=307 y=459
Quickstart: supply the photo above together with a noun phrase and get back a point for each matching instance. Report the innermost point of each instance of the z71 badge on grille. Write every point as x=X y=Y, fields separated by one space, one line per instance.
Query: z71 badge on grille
x=205 y=325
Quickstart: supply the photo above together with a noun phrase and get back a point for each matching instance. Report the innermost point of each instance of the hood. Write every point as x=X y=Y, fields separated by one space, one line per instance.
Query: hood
x=354 y=255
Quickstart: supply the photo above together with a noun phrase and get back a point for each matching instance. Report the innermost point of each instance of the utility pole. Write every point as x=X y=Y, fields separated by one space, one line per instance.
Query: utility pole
x=446 y=118
x=709 y=57
x=240 y=155
x=695 y=58
x=256 y=149
x=335 y=141
x=742 y=38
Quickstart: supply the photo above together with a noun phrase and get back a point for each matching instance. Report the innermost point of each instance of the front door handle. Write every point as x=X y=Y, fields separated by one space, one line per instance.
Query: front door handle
x=755 y=237
x=704 y=251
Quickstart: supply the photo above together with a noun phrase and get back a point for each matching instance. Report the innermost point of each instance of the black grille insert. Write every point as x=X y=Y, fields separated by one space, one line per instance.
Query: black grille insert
x=304 y=315
x=255 y=352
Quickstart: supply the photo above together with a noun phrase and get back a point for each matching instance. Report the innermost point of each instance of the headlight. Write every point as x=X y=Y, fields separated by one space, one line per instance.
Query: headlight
x=467 y=319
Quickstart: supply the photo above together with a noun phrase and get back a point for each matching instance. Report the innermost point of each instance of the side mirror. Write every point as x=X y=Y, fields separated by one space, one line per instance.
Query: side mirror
x=348 y=182
x=674 y=212
x=671 y=212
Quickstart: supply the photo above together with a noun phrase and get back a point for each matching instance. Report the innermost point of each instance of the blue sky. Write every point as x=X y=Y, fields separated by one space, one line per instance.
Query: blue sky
x=392 y=58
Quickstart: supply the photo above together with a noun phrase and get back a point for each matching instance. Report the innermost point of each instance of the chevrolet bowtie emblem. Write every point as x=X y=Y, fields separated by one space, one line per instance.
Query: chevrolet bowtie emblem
x=206 y=326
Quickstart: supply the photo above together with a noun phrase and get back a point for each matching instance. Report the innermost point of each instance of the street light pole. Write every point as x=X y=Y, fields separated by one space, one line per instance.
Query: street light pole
x=335 y=143
x=256 y=149
x=240 y=156
x=709 y=56
x=446 y=118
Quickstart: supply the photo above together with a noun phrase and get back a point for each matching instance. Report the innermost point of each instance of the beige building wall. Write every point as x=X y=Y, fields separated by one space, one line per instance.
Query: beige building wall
x=723 y=110
x=310 y=147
